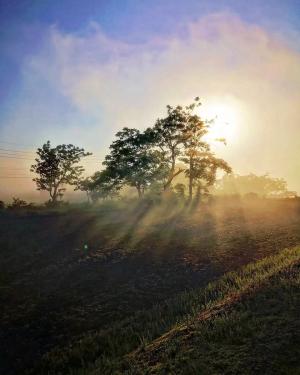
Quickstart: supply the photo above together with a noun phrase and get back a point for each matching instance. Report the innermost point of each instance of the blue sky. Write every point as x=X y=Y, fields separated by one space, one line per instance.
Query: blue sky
x=24 y=23
x=77 y=71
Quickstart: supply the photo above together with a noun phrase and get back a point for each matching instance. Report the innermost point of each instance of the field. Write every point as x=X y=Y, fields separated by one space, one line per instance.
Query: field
x=140 y=288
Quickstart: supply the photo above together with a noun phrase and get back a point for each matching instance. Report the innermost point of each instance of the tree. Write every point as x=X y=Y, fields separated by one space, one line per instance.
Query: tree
x=132 y=160
x=169 y=135
x=57 y=166
x=203 y=173
x=202 y=165
x=103 y=186
x=179 y=136
x=86 y=185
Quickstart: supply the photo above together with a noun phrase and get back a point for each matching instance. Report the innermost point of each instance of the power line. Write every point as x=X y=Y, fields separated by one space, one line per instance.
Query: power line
x=35 y=146
x=7 y=151
x=18 y=144
x=15 y=177
x=33 y=160
x=17 y=151
x=13 y=157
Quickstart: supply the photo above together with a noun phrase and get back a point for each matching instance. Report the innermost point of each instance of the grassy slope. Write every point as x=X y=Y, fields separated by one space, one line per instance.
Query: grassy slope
x=244 y=319
x=253 y=329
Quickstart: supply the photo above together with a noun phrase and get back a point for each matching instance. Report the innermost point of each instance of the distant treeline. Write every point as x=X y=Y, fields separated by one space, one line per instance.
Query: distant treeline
x=251 y=185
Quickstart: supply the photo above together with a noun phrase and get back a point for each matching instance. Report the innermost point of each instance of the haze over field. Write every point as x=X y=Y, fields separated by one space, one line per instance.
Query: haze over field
x=78 y=76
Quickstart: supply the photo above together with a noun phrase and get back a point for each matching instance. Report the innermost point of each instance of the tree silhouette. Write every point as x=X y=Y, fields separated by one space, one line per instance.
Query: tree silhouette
x=179 y=136
x=86 y=185
x=56 y=166
x=132 y=160
x=202 y=165
x=18 y=203
x=103 y=185
x=169 y=135
x=144 y=159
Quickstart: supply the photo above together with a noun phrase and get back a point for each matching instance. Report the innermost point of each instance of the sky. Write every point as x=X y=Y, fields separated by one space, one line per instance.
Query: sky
x=77 y=72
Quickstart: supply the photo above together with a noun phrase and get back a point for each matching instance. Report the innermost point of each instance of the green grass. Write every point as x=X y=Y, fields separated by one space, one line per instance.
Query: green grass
x=211 y=330
x=254 y=330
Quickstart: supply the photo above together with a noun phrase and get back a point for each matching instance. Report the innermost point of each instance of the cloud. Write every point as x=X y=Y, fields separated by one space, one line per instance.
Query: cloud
x=219 y=58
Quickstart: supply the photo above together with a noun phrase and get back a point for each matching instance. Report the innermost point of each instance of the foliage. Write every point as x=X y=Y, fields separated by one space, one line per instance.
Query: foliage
x=57 y=166
x=141 y=159
x=202 y=165
x=170 y=134
x=86 y=185
x=2 y=205
x=18 y=203
x=132 y=160
x=103 y=186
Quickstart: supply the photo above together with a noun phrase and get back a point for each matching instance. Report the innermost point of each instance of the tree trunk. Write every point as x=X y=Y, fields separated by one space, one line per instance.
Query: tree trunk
x=171 y=174
x=53 y=194
x=198 y=194
x=140 y=193
x=191 y=180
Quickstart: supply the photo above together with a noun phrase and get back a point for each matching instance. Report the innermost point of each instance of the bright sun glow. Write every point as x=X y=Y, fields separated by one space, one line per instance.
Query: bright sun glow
x=226 y=120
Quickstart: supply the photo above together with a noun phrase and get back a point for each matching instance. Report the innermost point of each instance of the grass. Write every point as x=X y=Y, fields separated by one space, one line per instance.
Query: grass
x=203 y=316
x=255 y=331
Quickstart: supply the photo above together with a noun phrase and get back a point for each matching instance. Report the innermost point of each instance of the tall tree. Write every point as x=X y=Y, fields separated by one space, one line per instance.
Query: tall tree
x=170 y=135
x=132 y=160
x=203 y=173
x=57 y=166
x=202 y=165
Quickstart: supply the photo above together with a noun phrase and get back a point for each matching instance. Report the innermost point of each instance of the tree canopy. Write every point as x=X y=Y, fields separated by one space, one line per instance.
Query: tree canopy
x=57 y=166
x=133 y=160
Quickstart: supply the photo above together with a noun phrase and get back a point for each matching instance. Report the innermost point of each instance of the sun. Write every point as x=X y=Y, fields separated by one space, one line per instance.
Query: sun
x=225 y=120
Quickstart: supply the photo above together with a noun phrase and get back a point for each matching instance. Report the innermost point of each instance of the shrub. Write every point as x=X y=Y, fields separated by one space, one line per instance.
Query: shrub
x=18 y=203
